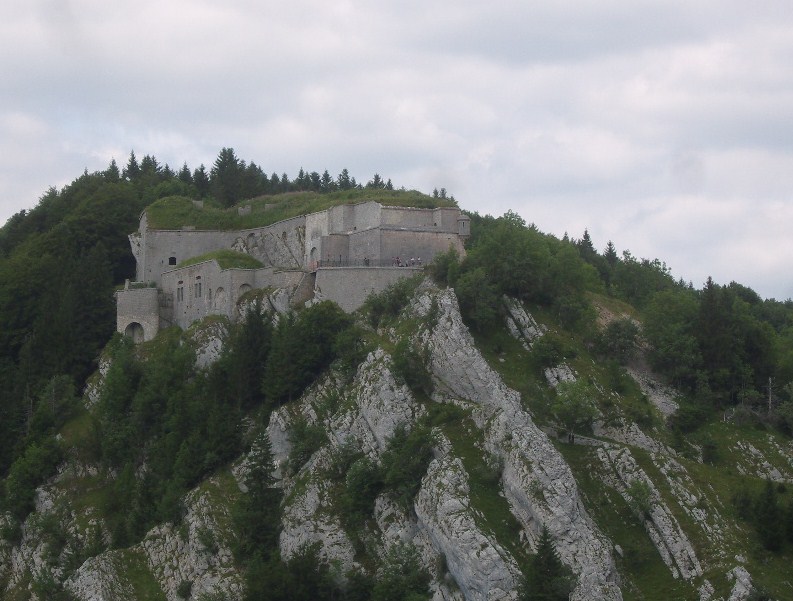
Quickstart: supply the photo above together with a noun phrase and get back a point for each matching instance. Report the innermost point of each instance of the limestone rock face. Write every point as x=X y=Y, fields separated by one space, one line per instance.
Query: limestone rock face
x=365 y=413
x=558 y=374
x=197 y=551
x=520 y=324
x=100 y=578
x=742 y=588
x=481 y=567
x=665 y=532
x=307 y=518
x=208 y=337
x=537 y=482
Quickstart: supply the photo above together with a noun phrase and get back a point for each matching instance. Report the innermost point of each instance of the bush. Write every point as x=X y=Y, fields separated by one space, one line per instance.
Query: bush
x=410 y=367
x=364 y=481
x=640 y=498
x=389 y=303
x=305 y=439
x=401 y=577
x=549 y=351
x=618 y=340
x=405 y=462
x=38 y=463
x=185 y=589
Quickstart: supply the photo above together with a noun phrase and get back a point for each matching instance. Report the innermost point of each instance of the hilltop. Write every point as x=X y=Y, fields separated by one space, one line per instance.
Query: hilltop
x=535 y=402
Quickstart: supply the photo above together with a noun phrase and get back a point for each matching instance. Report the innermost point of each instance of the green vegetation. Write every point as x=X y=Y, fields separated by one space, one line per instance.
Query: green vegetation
x=161 y=427
x=227 y=259
x=176 y=212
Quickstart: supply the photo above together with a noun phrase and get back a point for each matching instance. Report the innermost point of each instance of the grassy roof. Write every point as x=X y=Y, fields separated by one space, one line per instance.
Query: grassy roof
x=176 y=212
x=227 y=259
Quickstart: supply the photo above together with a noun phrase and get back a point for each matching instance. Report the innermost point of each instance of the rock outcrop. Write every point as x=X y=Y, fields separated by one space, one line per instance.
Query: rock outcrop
x=537 y=482
x=664 y=530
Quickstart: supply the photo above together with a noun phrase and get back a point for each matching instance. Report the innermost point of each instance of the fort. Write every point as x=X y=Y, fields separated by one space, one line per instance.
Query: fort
x=341 y=254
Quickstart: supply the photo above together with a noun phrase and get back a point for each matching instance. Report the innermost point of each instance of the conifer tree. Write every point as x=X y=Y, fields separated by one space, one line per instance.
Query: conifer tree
x=132 y=170
x=768 y=518
x=548 y=579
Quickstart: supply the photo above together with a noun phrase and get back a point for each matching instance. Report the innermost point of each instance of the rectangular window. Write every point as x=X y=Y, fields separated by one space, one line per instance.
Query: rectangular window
x=198 y=290
x=179 y=294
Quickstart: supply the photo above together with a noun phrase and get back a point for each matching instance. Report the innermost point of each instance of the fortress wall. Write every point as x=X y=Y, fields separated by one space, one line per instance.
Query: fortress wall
x=335 y=247
x=365 y=245
x=441 y=219
x=141 y=306
x=194 y=303
x=288 y=279
x=279 y=245
x=366 y=215
x=317 y=226
x=349 y=286
x=446 y=218
x=407 y=244
x=407 y=217
x=160 y=245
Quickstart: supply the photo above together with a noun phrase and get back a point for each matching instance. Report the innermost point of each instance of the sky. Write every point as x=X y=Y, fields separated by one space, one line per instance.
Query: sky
x=664 y=126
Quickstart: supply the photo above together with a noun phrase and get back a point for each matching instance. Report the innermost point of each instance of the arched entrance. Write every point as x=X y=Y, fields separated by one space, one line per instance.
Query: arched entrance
x=134 y=331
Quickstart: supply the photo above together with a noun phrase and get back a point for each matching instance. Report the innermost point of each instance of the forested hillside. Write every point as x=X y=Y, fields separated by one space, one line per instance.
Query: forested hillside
x=349 y=434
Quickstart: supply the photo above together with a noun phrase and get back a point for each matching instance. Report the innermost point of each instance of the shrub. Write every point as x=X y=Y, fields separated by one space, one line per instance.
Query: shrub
x=305 y=439
x=405 y=462
x=410 y=366
x=185 y=589
x=401 y=577
x=640 y=498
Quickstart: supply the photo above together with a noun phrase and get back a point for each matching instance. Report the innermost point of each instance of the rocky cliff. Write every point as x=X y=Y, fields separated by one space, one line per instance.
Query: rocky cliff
x=496 y=477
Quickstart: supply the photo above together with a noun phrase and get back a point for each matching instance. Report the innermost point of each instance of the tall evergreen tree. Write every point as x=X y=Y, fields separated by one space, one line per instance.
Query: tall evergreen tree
x=226 y=178
x=201 y=181
x=132 y=170
x=548 y=579
x=343 y=180
x=768 y=518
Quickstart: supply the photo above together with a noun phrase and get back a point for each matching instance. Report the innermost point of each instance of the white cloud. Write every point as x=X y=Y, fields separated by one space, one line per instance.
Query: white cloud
x=666 y=126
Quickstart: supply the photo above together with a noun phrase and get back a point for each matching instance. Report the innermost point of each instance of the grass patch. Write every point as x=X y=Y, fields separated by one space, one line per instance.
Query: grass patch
x=484 y=480
x=226 y=259
x=136 y=571
x=644 y=575
x=176 y=212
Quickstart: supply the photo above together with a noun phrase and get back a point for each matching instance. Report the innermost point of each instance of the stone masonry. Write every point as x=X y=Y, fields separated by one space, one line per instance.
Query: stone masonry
x=342 y=254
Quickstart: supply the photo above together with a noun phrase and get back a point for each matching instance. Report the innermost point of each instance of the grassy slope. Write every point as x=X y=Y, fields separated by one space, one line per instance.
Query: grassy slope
x=176 y=212
x=644 y=575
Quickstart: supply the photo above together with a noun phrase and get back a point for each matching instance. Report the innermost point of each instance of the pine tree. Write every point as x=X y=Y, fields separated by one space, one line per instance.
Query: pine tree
x=343 y=180
x=548 y=578
x=226 y=177
x=112 y=173
x=611 y=254
x=185 y=175
x=132 y=170
x=768 y=517
x=201 y=181
x=257 y=515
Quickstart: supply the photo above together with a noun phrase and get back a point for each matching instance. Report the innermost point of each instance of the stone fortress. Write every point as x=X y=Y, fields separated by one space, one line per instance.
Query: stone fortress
x=341 y=254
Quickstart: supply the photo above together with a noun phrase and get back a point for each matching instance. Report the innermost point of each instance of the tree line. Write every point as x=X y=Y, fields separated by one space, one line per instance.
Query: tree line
x=722 y=345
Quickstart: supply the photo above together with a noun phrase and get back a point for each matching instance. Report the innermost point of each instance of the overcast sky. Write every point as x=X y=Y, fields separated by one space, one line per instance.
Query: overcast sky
x=665 y=126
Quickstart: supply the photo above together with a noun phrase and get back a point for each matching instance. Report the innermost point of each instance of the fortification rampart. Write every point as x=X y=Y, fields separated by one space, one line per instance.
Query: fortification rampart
x=138 y=312
x=364 y=240
x=349 y=286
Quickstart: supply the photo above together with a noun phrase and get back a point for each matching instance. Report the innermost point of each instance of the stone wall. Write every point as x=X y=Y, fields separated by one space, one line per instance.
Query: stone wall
x=208 y=290
x=349 y=286
x=407 y=244
x=281 y=244
x=365 y=245
x=138 y=306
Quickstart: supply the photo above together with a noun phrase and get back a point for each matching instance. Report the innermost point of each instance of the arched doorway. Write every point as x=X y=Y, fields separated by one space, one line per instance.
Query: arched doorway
x=220 y=299
x=135 y=332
